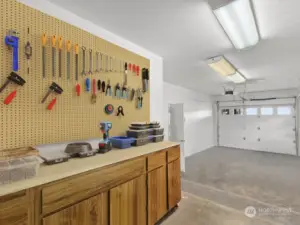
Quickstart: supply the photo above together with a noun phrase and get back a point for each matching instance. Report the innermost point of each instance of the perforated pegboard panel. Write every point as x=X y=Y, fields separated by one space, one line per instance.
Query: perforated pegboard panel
x=27 y=122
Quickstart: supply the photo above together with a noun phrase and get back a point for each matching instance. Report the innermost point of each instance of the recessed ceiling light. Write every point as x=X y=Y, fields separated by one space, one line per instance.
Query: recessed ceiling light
x=238 y=21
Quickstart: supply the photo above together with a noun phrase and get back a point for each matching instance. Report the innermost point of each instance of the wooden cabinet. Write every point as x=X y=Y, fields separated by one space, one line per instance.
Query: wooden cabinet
x=14 y=209
x=93 y=211
x=174 y=183
x=157 y=194
x=128 y=203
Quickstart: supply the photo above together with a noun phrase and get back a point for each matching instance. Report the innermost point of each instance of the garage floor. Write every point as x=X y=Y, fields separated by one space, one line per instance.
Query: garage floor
x=235 y=179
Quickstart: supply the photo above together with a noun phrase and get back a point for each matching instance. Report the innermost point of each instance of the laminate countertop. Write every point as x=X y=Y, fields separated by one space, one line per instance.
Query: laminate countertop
x=50 y=173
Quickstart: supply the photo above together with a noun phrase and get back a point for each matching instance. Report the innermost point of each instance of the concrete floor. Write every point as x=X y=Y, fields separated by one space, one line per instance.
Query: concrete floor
x=234 y=179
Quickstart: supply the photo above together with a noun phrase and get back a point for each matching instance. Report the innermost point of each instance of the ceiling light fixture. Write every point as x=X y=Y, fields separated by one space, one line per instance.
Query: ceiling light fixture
x=223 y=67
x=238 y=21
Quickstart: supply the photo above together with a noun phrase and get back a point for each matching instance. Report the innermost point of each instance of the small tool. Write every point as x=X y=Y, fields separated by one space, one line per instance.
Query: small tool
x=109 y=109
x=125 y=74
x=99 y=85
x=145 y=77
x=118 y=91
x=54 y=87
x=139 y=99
x=53 y=55
x=125 y=68
x=101 y=62
x=60 y=46
x=10 y=97
x=106 y=63
x=78 y=89
x=12 y=41
x=108 y=89
x=120 y=111
x=87 y=84
x=103 y=86
x=44 y=42
x=28 y=54
x=115 y=64
x=137 y=70
x=51 y=104
x=97 y=62
x=127 y=93
x=94 y=96
x=132 y=94
x=91 y=61
x=105 y=144
x=129 y=66
x=13 y=78
x=133 y=68
x=124 y=92
x=110 y=64
x=83 y=60
x=76 y=61
x=68 y=45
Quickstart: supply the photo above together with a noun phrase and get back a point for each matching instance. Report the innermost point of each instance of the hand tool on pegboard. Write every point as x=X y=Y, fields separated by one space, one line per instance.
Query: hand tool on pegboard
x=118 y=91
x=28 y=54
x=94 y=96
x=12 y=41
x=87 y=84
x=44 y=42
x=124 y=92
x=60 y=47
x=139 y=99
x=129 y=67
x=103 y=86
x=137 y=70
x=99 y=85
x=101 y=62
x=133 y=68
x=53 y=55
x=106 y=63
x=54 y=87
x=110 y=64
x=76 y=48
x=145 y=78
x=91 y=61
x=109 y=109
x=83 y=60
x=13 y=78
x=97 y=62
x=78 y=89
x=115 y=64
x=132 y=94
x=51 y=104
x=120 y=111
x=108 y=89
x=68 y=47
x=125 y=74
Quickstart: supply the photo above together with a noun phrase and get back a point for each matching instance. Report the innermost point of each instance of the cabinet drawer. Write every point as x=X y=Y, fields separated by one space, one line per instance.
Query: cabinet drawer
x=173 y=153
x=71 y=190
x=157 y=160
x=14 y=209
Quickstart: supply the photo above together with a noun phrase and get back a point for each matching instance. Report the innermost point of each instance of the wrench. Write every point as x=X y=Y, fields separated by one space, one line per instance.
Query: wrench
x=101 y=61
x=97 y=62
x=91 y=61
x=106 y=69
x=83 y=60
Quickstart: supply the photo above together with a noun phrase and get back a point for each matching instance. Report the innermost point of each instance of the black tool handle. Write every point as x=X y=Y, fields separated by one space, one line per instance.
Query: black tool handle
x=46 y=96
x=4 y=85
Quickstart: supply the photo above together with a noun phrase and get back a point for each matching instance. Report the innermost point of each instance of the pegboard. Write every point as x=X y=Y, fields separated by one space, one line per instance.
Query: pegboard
x=27 y=122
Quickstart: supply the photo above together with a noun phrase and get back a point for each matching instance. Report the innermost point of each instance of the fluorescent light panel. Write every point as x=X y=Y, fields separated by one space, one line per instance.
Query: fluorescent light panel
x=237 y=78
x=237 y=19
x=221 y=66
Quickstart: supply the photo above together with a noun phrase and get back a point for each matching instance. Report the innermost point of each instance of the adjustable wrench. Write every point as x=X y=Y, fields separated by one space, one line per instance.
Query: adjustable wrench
x=91 y=61
x=83 y=60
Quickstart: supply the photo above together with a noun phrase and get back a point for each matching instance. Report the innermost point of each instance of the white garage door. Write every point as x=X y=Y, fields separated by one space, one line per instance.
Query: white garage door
x=258 y=125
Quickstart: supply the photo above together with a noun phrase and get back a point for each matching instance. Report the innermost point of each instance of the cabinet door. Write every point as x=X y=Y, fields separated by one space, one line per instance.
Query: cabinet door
x=14 y=209
x=93 y=211
x=157 y=194
x=128 y=203
x=174 y=183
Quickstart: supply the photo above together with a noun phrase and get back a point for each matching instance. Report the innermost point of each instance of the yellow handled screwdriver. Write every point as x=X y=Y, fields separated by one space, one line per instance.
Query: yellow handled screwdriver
x=76 y=61
x=60 y=45
x=44 y=42
x=68 y=45
x=53 y=55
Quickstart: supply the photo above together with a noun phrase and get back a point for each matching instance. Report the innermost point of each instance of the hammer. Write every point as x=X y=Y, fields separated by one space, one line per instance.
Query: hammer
x=14 y=78
x=54 y=87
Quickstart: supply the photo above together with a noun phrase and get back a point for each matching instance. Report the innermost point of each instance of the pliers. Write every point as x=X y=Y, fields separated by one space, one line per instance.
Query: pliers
x=139 y=99
x=118 y=91
x=108 y=89
x=124 y=92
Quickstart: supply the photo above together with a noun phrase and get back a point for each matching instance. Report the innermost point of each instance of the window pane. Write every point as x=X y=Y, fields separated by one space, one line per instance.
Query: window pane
x=267 y=111
x=251 y=111
x=225 y=111
x=238 y=111
x=284 y=110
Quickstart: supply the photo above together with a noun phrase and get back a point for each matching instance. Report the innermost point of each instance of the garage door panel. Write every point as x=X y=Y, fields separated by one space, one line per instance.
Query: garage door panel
x=270 y=133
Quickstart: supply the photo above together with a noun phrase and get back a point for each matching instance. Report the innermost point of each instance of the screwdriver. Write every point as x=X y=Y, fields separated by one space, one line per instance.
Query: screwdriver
x=53 y=55
x=68 y=45
x=76 y=61
x=60 y=44
x=44 y=42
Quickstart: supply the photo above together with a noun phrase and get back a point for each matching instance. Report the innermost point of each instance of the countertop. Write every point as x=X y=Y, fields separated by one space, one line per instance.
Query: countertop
x=47 y=174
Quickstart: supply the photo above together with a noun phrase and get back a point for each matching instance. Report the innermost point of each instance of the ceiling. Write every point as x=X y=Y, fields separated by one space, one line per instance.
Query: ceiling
x=185 y=33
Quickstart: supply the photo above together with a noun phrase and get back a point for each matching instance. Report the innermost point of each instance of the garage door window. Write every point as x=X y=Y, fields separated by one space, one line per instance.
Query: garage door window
x=225 y=112
x=238 y=111
x=266 y=111
x=284 y=111
x=251 y=111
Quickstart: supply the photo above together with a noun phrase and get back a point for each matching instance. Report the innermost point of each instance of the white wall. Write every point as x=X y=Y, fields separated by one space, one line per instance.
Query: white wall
x=156 y=62
x=198 y=117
